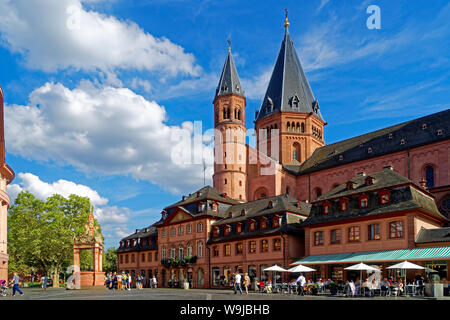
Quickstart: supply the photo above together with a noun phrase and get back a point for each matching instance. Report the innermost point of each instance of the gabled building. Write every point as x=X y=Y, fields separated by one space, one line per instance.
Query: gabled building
x=376 y=219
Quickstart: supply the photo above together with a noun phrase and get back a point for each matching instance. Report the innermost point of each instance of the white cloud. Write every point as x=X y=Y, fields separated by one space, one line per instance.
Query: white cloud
x=42 y=190
x=54 y=35
x=112 y=219
x=256 y=87
x=107 y=130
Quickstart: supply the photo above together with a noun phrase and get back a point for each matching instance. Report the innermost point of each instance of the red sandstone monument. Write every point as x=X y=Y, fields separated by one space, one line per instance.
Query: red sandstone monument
x=90 y=240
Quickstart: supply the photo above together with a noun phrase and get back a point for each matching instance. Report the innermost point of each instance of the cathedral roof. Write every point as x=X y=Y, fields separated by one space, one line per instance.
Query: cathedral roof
x=403 y=136
x=288 y=88
x=229 y=82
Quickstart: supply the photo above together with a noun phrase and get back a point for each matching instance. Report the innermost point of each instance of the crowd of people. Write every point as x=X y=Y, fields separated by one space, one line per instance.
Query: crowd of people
x=124 y=281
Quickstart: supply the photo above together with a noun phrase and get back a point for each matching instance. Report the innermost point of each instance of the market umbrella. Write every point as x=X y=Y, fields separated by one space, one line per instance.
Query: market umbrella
x=361 y=266
x=405 y=265
x=301 y=268
x=275 y=268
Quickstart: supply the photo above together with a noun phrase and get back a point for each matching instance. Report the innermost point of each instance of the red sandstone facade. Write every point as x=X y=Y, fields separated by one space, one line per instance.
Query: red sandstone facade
x=302 y=166
x=6 y=176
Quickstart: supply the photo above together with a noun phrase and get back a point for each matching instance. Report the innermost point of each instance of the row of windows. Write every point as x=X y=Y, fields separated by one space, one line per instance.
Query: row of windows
x=173 y=230
x=428 y=172
x=354 y=233
x=251 y=223
x=181 y=251
x=134 y=242
x=227 y=115
x=384 y=197
x=149 y=257
x=239 y=247
x=295 y=127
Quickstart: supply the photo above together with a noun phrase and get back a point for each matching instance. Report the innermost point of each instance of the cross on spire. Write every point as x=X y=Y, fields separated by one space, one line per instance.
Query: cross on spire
x=286 y=22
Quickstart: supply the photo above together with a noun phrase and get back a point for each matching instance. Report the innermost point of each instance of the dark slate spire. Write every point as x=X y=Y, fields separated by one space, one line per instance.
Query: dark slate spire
x=288 y=88
x=229 y=80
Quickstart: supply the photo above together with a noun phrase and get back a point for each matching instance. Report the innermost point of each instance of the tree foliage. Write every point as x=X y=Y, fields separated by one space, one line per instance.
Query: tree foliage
x=40 y=233
x=110 y=260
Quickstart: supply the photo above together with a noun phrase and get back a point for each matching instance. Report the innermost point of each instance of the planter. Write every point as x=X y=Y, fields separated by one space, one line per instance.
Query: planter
x=434 y=290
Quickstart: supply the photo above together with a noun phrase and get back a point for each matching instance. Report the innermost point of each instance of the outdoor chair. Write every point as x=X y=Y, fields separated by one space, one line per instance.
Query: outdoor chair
x=384 y=291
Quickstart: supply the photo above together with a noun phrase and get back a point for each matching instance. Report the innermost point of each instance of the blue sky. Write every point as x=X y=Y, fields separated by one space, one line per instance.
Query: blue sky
x=94 y=90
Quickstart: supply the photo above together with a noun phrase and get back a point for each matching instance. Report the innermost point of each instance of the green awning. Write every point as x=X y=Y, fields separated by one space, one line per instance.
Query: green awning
x=435 y=253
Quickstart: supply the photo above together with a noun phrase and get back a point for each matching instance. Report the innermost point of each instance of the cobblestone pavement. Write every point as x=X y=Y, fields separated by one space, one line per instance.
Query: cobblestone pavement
x=173 y=294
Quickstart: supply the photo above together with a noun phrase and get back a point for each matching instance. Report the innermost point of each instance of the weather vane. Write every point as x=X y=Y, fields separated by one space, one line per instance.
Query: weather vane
x=229 y=44
x=286 y=22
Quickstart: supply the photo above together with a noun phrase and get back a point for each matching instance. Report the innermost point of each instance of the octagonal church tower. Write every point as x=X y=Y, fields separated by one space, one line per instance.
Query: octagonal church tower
x=230 y=151
x=6 y=176
x=290 y=107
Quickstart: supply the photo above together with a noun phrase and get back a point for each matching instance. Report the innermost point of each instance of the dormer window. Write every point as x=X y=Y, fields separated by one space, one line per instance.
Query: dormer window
x=326 y=208
x=402 y=141
x=439 y=132
x=270 y=205
x=343 y=203
x=424 y=126
x=369 y=181
x=385 y=197
x=215 y=207
x=341 y=157
x=349 y=185
x=390 y=136
x=263 y=223
x=363 y=201
x=276 y=221
x=238 y=227
x=200 y=207
x=251 y=225
x=215 y=232
x=369 y=150
x=227 y=230
x=299 y=205
x=243 y=212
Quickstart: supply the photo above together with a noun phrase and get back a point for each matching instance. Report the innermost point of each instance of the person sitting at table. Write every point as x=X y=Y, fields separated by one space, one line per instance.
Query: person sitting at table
x=268 y=287
x=261 y=286
x=365 y=287
x=321 y=285
x=401 y=287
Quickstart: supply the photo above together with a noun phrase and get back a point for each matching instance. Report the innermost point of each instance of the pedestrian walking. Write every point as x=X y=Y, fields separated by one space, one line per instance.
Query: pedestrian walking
x=155 y=283
x=301 y=281
x=44 y=283
x=15 y=282
x=246 y=282
x=237 y=283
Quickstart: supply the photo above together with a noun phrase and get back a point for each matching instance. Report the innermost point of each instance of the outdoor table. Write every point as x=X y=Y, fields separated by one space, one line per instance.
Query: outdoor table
x=411 y=289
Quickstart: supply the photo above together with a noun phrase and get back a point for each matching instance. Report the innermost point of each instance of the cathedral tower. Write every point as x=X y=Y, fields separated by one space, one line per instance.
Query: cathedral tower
x=230 y=152
x=6 y=176
x=290 y=107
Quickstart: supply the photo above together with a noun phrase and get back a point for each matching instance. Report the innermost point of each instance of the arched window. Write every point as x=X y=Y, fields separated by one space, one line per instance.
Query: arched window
x=235 y=113
x=429 y=176
x=189 y=250
x=297 y=128
x=200 y=249
x=287 y=190
x=239 y=115
x=225 y=181
x=303 y=127
x=240 y=183
x=224 y=113
x=172 y=252
x=296 y=152
x=180 y=252
x=288 y=126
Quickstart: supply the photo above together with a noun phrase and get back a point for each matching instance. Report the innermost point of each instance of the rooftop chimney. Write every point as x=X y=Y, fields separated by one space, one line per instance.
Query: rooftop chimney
x=423 y=183
x=388 y=168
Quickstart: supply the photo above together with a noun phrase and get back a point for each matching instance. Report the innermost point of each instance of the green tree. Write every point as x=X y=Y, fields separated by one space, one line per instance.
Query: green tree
x=41 y=233
x=110 y=260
